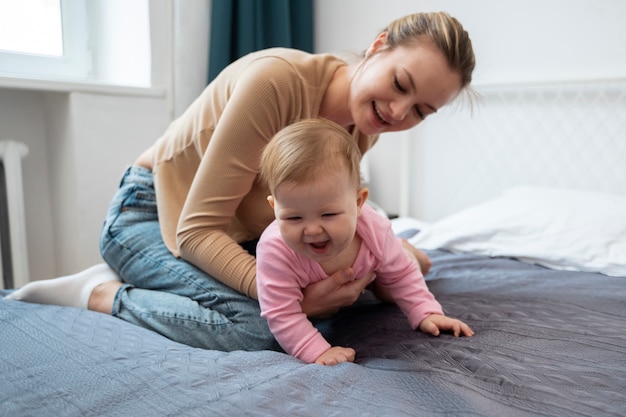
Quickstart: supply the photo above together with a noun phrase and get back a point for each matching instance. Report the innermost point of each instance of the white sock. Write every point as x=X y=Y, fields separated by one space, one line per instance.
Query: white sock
x=71 y=290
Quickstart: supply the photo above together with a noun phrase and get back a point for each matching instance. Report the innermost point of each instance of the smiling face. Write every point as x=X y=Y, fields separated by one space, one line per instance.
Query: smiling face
x=318 y=219
x=395 y=89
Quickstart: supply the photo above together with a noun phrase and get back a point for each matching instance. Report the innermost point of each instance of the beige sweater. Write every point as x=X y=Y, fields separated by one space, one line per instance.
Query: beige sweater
x=207 y=162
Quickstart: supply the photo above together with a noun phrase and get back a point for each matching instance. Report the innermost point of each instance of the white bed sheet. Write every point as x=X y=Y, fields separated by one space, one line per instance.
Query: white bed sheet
x=563 y=229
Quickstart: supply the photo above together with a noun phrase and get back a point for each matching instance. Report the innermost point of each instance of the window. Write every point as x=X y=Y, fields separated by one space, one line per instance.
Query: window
x=31 y=27
x=44 y=38
x=104 y=42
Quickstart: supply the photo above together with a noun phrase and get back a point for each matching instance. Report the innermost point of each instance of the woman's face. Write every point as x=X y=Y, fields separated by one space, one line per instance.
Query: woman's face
x=396 y=89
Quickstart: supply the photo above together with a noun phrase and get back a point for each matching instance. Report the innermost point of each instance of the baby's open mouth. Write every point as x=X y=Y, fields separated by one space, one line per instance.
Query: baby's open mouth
x=318 y=246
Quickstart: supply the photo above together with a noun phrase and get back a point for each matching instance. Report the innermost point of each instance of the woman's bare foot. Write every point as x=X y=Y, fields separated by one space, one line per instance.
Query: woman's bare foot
x=102 y=296
x=420 y=257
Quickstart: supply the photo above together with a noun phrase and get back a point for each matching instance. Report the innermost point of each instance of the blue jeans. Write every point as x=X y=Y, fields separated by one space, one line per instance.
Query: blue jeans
x=167 y=294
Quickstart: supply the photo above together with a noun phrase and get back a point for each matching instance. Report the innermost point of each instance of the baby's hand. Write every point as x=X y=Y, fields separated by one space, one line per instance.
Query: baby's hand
x=335 y=355
x=435 y=323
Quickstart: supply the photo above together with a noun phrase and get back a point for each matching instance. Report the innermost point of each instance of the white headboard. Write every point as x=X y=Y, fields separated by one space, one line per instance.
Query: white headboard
x=569 y=135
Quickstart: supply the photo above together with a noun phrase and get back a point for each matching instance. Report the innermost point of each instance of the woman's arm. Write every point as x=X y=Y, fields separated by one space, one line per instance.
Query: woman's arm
x=255 y=110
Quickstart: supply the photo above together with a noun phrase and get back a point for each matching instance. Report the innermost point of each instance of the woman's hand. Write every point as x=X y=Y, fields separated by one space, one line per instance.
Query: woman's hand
x=326 y=297
x=335 y=355
x=435 y=323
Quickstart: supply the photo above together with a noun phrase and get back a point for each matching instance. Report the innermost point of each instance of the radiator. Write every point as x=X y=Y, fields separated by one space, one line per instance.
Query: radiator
x=14 y=259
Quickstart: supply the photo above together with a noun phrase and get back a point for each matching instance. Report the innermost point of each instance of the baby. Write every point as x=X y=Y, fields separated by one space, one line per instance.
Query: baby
x=322 y=226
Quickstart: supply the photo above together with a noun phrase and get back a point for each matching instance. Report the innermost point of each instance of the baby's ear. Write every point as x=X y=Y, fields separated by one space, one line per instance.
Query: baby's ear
x=361 y=196
x=270 y=199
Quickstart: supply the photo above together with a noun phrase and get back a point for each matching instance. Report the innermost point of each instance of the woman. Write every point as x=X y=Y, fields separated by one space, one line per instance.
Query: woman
x=189 y=273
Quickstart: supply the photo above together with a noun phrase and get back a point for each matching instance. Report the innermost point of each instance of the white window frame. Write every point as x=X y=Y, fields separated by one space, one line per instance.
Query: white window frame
x=76 y=62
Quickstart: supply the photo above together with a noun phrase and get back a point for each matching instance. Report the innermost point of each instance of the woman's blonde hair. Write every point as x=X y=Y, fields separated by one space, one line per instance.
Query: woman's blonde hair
x=444 y=31
x=304 y=150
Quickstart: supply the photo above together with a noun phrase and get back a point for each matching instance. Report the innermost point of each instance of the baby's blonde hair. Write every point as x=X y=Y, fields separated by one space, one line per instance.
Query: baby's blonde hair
x=304 y=150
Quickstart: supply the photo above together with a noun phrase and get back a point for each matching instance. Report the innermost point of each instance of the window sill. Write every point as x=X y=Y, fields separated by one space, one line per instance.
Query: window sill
x=64 y=86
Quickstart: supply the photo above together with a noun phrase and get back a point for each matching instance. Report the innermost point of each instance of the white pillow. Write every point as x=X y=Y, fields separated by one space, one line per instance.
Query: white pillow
x=557 y=228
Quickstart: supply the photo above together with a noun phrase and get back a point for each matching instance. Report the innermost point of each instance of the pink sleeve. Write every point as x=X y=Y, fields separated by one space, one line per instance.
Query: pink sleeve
x=401 y=275
x=279 y=283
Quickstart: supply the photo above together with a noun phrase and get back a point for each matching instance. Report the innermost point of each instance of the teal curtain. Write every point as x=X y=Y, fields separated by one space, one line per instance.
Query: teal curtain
x=239 y=27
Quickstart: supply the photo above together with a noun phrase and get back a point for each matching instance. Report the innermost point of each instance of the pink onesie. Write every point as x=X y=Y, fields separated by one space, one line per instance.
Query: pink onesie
x=282 y=273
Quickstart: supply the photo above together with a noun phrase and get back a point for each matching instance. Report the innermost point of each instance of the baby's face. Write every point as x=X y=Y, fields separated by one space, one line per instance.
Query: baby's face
x=318 y=219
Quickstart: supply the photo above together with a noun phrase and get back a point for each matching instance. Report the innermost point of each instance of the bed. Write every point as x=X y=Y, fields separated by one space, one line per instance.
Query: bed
x=538 y=271
x=548 y=343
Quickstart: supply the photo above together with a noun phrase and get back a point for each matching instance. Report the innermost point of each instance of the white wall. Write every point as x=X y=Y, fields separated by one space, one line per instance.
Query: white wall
x=23 y=118
x=531 y=40
x=79 y=144
x=105 y=134
x=515 y=42
x=191 y=51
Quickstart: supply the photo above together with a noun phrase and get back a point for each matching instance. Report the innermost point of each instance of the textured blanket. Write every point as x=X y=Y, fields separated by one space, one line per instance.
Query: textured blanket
x=547 y=343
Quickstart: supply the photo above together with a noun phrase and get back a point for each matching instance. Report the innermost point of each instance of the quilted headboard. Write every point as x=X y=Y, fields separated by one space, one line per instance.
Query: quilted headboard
x=570 y=135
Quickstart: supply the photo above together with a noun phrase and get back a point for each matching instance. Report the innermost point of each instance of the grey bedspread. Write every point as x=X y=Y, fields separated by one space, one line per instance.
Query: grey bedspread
x=548 y=343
